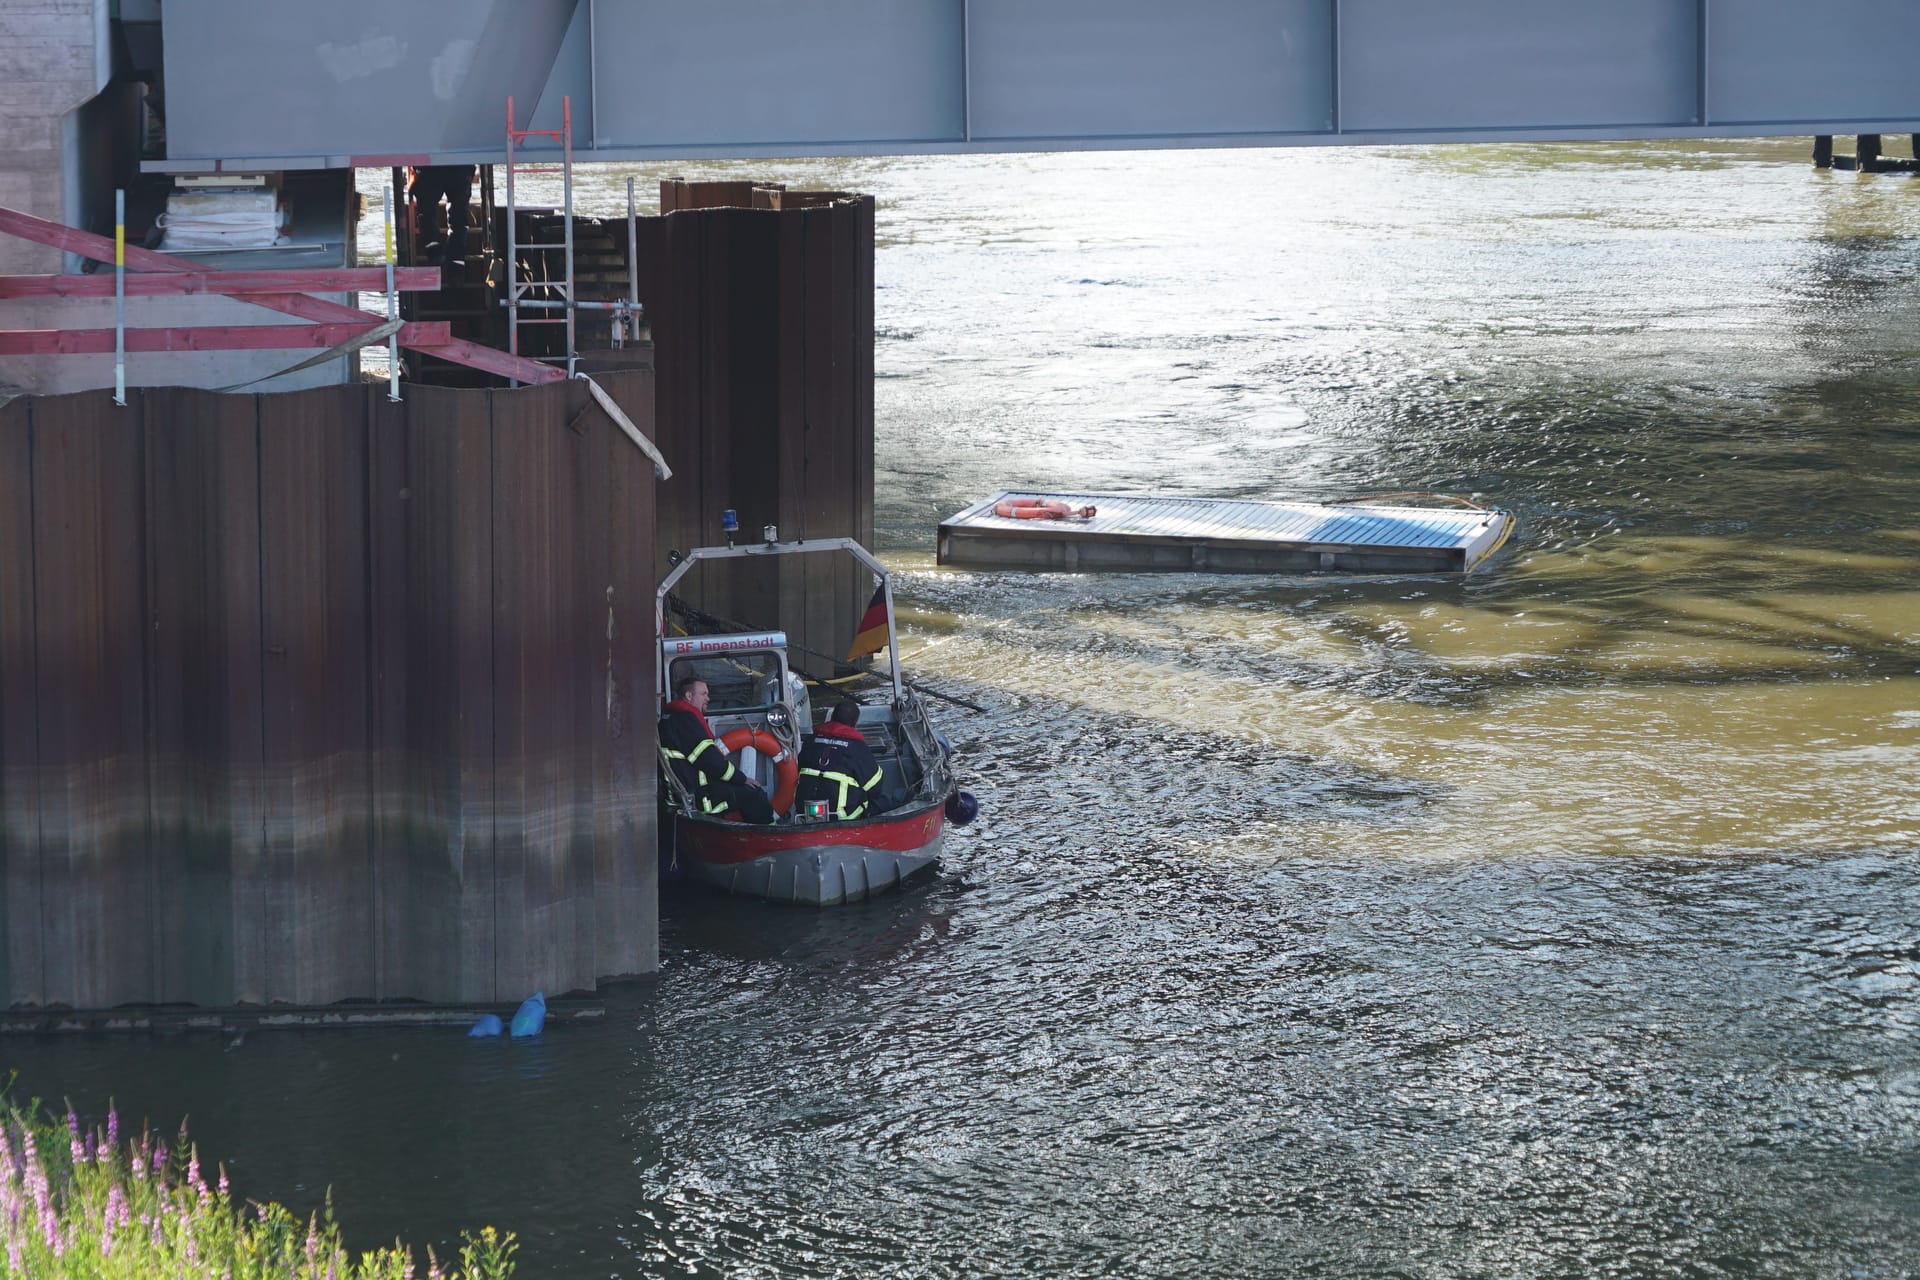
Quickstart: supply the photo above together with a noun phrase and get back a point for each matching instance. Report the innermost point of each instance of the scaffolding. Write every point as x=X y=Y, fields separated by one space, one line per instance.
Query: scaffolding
x=534 y=287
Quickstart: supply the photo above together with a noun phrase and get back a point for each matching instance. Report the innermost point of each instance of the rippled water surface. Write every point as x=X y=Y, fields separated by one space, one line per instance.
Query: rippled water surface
x=1561 y=920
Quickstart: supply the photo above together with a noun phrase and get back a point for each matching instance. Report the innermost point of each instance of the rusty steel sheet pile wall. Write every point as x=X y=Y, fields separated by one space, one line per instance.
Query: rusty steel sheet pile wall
x=761 y=305
x=313 y=696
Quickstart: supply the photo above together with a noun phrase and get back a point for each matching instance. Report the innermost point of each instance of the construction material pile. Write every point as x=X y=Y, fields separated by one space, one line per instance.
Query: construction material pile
x=228 y=219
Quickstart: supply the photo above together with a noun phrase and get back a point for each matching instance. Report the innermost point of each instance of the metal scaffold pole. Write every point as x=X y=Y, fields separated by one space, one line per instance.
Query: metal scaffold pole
x=120 y=296
x=393 y=300
x=566 y=179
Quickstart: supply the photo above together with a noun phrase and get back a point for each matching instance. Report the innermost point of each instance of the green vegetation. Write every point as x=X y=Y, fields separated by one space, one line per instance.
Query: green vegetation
x=75 y=1204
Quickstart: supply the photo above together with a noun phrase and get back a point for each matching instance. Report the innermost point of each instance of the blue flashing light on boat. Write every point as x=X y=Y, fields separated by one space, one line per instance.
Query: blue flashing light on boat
x=730 y=520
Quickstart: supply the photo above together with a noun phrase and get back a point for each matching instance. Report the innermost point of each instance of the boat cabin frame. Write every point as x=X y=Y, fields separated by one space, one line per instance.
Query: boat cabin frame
x=701 y=555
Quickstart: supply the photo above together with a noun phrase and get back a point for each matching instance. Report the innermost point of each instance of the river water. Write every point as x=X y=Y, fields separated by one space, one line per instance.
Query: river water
x=1563 y=920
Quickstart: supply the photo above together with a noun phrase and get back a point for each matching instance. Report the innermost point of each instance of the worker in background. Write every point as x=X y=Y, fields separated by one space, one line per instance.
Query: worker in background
x=837 y=766
x=431 y=184
x=701 y=764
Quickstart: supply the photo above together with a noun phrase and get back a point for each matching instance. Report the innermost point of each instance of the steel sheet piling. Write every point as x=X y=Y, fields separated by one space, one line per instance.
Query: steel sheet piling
x=354 y=697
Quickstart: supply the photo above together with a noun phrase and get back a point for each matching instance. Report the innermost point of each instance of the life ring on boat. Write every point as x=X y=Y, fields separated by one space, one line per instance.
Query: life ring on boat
x=1040 y=509
x=786 y=770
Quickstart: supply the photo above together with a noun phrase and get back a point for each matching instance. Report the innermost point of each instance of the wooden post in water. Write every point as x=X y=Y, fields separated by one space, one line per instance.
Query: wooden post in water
x=1823 y=151
x=1866 y=151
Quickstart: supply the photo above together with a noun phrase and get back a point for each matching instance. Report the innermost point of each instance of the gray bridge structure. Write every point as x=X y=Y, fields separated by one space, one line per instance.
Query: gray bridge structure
x=375 y=82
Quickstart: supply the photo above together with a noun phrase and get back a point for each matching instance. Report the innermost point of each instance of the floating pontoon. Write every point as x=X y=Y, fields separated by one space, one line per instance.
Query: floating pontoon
x=1129 y=534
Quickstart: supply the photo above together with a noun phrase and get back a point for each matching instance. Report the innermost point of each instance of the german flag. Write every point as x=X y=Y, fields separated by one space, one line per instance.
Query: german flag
x=871 y=635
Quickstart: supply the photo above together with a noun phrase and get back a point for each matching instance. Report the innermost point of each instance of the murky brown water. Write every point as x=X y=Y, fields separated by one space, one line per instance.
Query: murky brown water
x=1563 y=920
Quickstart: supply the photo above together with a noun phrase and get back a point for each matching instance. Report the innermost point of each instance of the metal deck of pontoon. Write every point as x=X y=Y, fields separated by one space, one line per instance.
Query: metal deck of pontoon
x=1213 y=535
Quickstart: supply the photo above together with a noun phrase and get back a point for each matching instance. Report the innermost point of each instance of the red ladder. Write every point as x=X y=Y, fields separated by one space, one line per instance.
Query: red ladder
x=541 y=296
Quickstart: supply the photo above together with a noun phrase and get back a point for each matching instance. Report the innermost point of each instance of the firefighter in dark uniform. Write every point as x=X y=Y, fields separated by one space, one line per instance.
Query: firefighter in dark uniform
x=702 y=764
x=837 y=766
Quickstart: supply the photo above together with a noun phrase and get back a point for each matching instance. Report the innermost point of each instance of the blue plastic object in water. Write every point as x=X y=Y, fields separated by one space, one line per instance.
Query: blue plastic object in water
x=532 y=1015
x=489 y=1025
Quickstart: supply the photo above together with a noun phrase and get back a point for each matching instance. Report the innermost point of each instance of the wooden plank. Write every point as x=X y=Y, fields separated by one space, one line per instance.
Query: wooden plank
x=432 y=708
x=22 y=976
x=203 y=688
x=318 y=915
x=167 y=284
x=88 y=245
x=95 y=887
x=431 y=334
x=101 y=249
x=475 y=356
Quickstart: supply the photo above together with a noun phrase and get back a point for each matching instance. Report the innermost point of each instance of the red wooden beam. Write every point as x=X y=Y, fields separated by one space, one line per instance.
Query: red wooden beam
x=86 y=244
x=490 y=359
x=154 y=284
x=100 y=249
x=232 y=337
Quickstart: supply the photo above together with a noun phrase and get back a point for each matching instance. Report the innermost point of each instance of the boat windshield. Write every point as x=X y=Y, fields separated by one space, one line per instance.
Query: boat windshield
x=736 y=681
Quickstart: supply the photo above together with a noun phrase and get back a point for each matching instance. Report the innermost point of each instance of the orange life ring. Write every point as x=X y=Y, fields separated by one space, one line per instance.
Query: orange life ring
x=786 y=769
x=1039 y=509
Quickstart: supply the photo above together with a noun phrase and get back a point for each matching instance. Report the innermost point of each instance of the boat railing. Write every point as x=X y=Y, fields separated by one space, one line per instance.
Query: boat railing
x=916 y=728
x=675 y=792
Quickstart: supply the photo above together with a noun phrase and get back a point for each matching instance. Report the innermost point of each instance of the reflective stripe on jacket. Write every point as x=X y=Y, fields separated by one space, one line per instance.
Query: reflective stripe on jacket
x=698 y=761
x=837 y=766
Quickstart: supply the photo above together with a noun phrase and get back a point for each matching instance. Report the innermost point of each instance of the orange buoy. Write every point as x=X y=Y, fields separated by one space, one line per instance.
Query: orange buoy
x=1040 y=509
x=786 y=769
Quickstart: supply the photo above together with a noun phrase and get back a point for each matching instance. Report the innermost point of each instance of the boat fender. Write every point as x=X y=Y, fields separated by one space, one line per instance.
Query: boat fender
x=489 y=1025
x=786 y=770
x=962 y=808
x=531 y=1016
x=1041 y=509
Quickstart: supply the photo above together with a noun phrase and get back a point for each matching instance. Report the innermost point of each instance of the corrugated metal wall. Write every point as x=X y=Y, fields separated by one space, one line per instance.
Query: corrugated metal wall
x=763 y=341
x=312 y=696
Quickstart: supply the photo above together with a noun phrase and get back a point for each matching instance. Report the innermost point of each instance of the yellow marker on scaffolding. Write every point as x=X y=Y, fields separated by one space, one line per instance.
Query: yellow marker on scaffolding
x=120 y=296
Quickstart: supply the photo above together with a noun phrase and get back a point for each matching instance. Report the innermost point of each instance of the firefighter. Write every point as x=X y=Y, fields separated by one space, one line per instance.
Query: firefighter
x=701 y=764
x=837 y=766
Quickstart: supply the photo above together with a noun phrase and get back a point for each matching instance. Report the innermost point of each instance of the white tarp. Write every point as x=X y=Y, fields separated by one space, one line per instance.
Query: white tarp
x=222 y=220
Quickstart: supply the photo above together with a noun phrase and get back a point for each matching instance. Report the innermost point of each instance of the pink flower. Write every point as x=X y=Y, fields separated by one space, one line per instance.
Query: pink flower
x=36 y=1173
